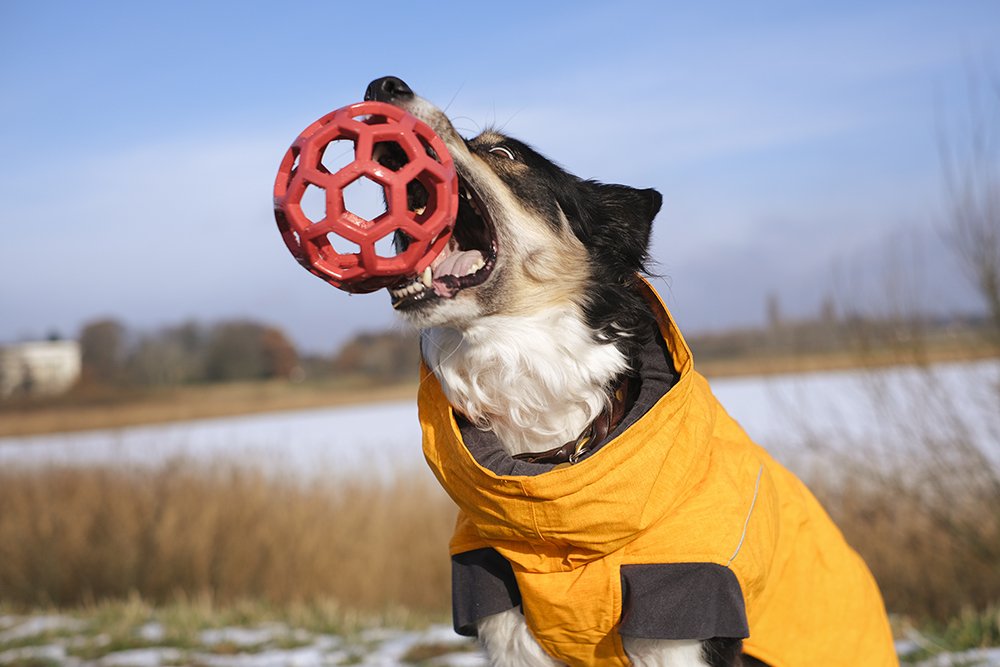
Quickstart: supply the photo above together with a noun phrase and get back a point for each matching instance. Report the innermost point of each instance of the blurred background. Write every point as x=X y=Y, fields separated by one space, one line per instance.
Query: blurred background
x=831 y=183
x=140 y=141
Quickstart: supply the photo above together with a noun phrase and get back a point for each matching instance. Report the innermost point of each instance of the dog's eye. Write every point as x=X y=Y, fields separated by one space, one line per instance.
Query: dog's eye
x=502 y=151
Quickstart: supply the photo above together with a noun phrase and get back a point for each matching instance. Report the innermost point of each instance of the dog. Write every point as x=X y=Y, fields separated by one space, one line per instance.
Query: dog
x=611 y=512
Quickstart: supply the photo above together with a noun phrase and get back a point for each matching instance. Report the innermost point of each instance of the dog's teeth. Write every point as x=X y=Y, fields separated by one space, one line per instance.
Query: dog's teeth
x=427 y=277
x=417 y=285
x=420 y=211
x=475 y=267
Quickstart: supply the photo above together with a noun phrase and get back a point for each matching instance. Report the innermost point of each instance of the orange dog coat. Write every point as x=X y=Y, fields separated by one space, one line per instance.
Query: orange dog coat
x=678 y=528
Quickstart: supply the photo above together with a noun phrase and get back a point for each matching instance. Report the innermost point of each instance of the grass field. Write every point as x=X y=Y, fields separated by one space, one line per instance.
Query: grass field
x=111 y=408
x=186 y=549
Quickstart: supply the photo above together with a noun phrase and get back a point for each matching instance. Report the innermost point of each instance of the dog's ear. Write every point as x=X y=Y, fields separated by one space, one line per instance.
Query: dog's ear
x=620 y=221
x=613 y=220
x=654 y=201
x=639 y=205
x=626 y=222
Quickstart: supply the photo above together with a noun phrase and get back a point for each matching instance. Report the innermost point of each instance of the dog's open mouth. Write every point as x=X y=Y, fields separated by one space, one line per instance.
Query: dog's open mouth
x=470 y=256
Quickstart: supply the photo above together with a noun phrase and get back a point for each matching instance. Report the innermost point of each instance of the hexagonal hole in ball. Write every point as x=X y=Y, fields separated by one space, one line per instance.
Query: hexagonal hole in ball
x=364 y=198
x=390 y=155
x=313 y=203
x=419 y=196
x=342 y=246
x=336 y=155
x=392 y=244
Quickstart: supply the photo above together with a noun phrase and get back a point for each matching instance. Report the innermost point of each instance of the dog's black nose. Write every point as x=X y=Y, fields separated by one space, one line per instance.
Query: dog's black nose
x=388 y=89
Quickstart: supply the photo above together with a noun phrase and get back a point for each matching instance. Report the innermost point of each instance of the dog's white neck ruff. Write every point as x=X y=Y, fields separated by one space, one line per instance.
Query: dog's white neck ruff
x=536 y=381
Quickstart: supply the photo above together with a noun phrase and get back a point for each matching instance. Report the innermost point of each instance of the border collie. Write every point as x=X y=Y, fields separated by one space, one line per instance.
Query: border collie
x=547 y=347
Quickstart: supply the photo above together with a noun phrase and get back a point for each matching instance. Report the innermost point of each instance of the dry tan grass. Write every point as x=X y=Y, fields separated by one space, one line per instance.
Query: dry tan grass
x=72 y=536
x=928 y=565
x=79 y=536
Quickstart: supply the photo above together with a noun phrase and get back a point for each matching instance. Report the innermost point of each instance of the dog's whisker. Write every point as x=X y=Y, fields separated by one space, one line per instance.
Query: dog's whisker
x=426 y=337
x=454 y=97
x=503 y=126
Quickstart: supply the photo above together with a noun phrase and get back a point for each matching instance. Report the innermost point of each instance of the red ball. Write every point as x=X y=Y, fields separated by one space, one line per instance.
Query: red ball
x=311 y=241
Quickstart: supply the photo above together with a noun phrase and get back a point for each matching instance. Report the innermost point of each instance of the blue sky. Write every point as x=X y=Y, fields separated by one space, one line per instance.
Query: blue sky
x=139 y=142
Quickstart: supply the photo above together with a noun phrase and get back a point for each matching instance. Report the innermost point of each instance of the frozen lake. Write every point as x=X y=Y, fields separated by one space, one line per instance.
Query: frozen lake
x=317 y=442
x=781 y=412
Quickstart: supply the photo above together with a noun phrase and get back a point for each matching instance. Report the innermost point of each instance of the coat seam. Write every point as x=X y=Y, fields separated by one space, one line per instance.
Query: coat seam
x=746 y=523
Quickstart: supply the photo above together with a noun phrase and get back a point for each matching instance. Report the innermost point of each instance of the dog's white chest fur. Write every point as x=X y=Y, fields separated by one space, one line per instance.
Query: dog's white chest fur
x=536 y=381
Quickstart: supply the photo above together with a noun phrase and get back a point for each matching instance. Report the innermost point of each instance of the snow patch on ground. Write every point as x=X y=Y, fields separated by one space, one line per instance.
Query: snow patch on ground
x=258 y=646
x=36 y=625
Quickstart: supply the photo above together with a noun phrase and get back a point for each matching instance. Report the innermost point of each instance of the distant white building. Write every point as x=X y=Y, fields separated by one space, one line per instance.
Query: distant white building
x=39 y=369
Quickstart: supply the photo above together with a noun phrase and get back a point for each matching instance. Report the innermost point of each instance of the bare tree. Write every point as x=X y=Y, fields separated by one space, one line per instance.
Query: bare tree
x=387 y=356
x=918 y=494
x=246 y=350
x=970 y=159
x=170 y=356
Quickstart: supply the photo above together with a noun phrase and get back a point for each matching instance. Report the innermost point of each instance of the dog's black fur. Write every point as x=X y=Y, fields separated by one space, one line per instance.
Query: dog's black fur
x=614 y=223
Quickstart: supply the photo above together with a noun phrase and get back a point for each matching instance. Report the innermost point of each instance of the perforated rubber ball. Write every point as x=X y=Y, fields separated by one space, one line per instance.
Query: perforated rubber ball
x=349 y=251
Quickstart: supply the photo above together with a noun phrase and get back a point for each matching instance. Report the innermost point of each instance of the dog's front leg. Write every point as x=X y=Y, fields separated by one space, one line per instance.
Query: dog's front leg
x=509 y=643
x=664 y=652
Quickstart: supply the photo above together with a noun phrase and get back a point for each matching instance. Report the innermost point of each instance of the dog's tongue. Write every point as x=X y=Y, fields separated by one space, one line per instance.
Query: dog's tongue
x=453 y=267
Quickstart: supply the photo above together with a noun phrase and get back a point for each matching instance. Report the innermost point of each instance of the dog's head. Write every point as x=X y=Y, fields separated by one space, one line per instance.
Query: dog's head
x=528 y=234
